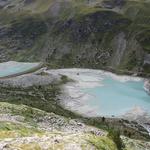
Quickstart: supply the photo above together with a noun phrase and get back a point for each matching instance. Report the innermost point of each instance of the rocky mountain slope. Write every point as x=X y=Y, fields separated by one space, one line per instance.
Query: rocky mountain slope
x=110 y=34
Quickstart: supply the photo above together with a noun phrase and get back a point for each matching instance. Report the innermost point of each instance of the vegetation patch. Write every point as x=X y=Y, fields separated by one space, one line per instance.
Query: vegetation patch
x=12 y=130
x=102 y=143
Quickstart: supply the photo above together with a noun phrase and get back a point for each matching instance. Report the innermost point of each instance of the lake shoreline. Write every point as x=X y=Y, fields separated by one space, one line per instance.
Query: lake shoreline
x=72 y=98
x=41 y=81
x=73 y=90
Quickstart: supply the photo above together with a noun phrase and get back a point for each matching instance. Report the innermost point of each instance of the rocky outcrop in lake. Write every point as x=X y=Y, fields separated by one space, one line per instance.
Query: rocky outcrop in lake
x=147 y=86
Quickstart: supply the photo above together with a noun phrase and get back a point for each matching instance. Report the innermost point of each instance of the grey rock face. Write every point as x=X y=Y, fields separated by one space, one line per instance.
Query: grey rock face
x=3 y=3
x=110 y=4
x=119 y=43
x=147 y=59
x=147 y=86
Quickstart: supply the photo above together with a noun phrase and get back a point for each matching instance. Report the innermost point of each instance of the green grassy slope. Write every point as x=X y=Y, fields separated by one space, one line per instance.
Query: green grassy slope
x=18 y=132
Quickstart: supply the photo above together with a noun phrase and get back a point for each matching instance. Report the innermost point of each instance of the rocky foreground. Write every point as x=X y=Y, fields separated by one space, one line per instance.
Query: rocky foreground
x=23 y=127
x=41 y=130
x=31 y=117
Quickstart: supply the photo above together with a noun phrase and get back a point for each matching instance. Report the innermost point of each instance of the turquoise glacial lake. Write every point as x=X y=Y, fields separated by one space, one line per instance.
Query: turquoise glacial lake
x=12 y=68
x=116 y=97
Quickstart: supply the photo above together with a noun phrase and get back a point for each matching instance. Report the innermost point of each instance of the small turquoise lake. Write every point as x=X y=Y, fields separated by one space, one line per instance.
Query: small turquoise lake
x=116 y=97
x=13 y=68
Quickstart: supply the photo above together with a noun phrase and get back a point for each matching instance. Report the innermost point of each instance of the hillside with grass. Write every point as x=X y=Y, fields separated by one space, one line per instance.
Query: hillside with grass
x=41 y=130
x=106 y=34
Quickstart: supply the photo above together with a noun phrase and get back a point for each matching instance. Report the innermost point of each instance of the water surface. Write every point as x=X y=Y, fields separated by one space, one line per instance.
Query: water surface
x=12 y=68
x=116 y=97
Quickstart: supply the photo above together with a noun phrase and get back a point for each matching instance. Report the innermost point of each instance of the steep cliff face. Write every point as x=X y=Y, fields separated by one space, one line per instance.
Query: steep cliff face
x=77 y=33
